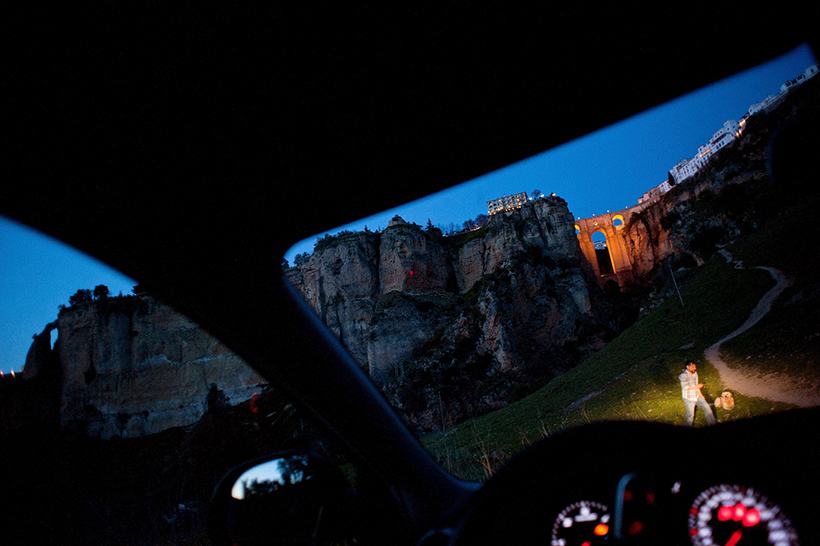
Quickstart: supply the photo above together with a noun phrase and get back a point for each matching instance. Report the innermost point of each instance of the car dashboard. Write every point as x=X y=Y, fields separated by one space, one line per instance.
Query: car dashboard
x=740 y=483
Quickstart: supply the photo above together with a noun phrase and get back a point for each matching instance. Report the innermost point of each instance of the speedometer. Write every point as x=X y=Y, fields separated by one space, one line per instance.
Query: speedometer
x=731 y=515
x=583 y=523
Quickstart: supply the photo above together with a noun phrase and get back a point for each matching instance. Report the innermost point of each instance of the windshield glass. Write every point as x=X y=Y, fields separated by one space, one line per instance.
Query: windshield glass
x=577 y=284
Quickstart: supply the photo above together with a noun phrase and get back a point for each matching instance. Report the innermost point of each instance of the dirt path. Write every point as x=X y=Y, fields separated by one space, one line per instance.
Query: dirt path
x=773 y=386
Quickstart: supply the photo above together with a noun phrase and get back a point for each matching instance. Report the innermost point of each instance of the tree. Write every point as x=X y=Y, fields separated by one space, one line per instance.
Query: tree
x=301 y=259
x=81 y=296
x=535 y=194
x=101 y=292
x=432 y=230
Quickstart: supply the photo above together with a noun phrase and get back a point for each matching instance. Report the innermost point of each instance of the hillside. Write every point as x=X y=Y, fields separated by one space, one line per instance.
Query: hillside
x=635 y=375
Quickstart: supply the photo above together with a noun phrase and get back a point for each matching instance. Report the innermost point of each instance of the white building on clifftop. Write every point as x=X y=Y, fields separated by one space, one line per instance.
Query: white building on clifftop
x=688 y=167
x=731 y=129
x=508 y=202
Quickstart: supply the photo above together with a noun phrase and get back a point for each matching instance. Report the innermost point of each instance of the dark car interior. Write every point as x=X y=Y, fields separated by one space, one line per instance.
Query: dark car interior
x=191 y=147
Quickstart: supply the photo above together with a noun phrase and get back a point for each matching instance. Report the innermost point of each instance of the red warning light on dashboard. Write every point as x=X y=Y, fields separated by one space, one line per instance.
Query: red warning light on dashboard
x=751 y=518
x=739 y=511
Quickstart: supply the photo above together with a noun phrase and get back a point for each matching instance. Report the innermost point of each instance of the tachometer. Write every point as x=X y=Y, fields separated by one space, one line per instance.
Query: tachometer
x=581 y=524
x=731 y=515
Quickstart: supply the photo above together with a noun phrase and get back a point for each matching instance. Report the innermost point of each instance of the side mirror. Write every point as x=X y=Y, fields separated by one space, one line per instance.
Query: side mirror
x=294 y=497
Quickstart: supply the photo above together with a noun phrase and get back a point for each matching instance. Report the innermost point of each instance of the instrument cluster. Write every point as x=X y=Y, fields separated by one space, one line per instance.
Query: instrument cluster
x=634 y=483
x=721 y=515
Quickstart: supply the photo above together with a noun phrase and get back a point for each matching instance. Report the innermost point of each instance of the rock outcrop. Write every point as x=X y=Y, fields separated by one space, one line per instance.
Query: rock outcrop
x=133 y=366
x=476 y=314
x=40 y=359
x=646 y=240
x=343 y=287
x=410 y=260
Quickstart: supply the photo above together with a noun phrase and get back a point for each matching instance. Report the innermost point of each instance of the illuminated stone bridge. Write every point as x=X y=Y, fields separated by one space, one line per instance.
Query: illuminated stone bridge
x=606 y=248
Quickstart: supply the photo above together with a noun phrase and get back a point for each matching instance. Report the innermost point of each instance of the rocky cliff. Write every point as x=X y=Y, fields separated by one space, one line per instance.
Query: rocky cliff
x=452 y=326
x=133 y=366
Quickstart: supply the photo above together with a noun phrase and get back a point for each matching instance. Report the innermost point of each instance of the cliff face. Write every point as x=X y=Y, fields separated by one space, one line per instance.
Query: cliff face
x=343 y=287
x=646 y=241
x=411 y=261
x=467 y=318
x=133 y=366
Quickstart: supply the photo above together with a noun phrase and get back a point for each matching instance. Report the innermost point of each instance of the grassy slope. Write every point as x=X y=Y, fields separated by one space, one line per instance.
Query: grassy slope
x=787 y=339
x=634 y=377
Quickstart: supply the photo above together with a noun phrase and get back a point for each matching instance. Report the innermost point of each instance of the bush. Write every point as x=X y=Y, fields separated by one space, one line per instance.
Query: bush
x=80 y=297
x=670 y=219
x=705 y=240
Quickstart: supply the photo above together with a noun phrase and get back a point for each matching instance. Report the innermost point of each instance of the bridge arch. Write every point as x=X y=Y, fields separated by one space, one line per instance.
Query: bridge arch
x=611 y=260
x=603 y=258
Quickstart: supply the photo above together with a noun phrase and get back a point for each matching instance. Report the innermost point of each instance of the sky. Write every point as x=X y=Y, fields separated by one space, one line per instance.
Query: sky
x=605 y=171
x=37 y=275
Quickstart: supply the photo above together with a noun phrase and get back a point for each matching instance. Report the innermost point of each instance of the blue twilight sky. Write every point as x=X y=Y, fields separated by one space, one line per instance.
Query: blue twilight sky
x=37 y=275
x=607 y=170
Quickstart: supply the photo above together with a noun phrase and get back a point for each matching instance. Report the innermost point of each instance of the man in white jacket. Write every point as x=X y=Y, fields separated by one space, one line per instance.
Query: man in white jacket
x=690 y=390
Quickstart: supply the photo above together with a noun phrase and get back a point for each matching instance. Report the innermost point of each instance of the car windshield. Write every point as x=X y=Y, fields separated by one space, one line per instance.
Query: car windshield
x=570 y=287
x=576 y=285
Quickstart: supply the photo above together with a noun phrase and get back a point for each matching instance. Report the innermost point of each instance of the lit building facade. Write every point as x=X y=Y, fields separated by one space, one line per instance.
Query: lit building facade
x=724 y=136
x=688 y=167
x=655 y=193
x=732 y=129
x=508 y=202
x=807 y=74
